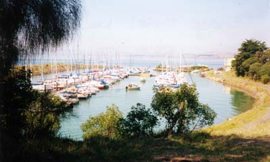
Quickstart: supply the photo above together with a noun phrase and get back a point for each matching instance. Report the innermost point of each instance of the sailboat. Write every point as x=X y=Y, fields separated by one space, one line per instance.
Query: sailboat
x=171 y=78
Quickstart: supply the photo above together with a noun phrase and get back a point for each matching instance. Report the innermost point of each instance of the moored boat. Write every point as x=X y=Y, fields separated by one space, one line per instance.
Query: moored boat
x=133 y=87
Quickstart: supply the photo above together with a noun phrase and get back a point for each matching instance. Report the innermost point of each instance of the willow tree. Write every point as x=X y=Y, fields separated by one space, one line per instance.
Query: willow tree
x=28 y=26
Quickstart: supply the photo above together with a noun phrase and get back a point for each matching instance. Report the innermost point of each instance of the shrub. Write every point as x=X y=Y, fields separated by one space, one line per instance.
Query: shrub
x=254 y=71
x=265 y=79
x=40 y=123
x=104 y=124
x=139 y=122
x=265 y=69
x=247 y=63
x=182 y=109
x=42 y=116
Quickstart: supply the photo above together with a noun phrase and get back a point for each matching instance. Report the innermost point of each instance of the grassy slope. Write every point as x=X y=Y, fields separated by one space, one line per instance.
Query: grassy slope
x=253 y=123
x=197 y=147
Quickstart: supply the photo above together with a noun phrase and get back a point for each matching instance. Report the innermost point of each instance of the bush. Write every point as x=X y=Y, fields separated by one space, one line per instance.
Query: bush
x=265 y=69
x=182 y=109
x=247 y=63
x=105 y=124
x=39 y=123
x=139 y=122
x=42 y=116
x=254 y=71
x=265 y=79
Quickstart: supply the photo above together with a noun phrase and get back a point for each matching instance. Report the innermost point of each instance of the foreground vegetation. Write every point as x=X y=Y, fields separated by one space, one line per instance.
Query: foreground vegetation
x=195 y=147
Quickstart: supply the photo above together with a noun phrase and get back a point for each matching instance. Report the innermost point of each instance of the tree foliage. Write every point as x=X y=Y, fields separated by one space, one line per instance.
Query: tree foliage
x=139 y=122
x=104 y=124
x=42 y=115
x=30 y=25
x=18 y=95
x=248 y=49
x=28 y=112
x=253 y=60
x=182 y=109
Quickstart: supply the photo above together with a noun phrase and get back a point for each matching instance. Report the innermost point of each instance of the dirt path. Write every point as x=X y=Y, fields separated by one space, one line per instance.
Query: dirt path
x=253 y=124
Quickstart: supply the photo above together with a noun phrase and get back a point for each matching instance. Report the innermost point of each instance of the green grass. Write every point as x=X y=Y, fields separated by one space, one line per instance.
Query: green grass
x=254 y=122
x=195 y=147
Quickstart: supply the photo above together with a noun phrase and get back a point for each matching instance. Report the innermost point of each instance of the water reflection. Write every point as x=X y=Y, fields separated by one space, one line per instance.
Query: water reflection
x=240 y=101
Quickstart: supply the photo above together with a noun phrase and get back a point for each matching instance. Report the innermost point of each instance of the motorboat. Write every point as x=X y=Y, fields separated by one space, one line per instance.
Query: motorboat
x=133 y=87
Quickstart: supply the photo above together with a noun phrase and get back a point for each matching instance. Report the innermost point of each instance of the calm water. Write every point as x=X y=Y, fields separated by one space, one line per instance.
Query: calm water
x=226 y=102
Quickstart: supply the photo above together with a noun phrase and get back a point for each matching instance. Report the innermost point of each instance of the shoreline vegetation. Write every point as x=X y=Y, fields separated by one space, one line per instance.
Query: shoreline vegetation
x=252 y=123
x=187 y=69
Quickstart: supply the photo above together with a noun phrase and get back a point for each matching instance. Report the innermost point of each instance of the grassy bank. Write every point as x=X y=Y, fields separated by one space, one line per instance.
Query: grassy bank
x=253 y=123
x=195 y=147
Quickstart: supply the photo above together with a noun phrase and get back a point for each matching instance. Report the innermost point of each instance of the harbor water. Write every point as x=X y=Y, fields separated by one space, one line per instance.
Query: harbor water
x=226 y=102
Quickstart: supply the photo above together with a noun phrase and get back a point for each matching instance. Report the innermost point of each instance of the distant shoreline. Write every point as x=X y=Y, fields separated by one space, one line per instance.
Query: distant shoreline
x=39 y=69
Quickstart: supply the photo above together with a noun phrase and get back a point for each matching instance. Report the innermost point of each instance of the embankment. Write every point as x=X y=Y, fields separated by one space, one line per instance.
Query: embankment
x=253 y=123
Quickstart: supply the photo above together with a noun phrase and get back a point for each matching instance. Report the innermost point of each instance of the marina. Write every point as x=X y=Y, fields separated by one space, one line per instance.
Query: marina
x=90 y=80
x=75 y=86
x=90 y=91
x=225 y=101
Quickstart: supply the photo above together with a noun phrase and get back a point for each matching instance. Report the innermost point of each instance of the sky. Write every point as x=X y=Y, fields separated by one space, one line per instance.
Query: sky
x=161 y=27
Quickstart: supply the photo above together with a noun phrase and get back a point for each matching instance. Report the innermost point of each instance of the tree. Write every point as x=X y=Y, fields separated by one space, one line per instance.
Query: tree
x=139 y=122
x=31 y=25
x=248 y=49
x=247 y=63
x=18 y=94
x=251 y=46
x=264 y=57
x=254 y=71
x=27 y=27
x=265 y=69
x=42 y=117
x=104 y=124
x=182 y=109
